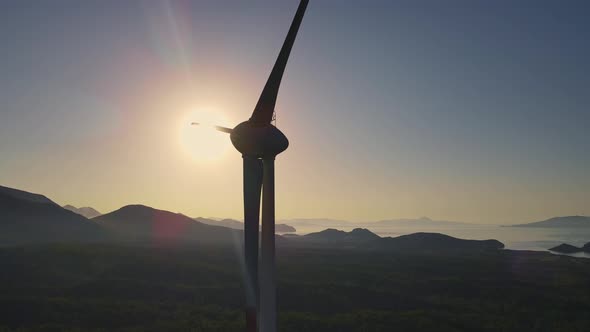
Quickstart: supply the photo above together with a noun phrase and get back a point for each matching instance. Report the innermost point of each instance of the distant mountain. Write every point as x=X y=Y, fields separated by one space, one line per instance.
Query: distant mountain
x=27 y=218
x=586 y=247
x=143 y=223
x=86 y=211
x=565 y=248
x=560 y=222
x=322 y=222
x=420 y=222
x=284 y=228
x=234 y=224
x=423 y=222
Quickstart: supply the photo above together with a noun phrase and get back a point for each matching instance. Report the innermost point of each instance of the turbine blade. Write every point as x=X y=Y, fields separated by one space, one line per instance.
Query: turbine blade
x=252 y=190
x=266 y=103
x=218 y=128
x=223 y=129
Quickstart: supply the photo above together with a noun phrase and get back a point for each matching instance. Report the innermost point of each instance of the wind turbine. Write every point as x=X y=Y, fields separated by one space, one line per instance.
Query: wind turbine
x=260 y=142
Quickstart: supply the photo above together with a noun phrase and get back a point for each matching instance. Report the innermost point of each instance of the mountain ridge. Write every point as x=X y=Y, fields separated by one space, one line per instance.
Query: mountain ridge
x=138 y=222
x=362 y=238
x=85 y=211
x=25 y=195
x=235 y=224
x=559 y=222
x=33 y=218
x=418 y=222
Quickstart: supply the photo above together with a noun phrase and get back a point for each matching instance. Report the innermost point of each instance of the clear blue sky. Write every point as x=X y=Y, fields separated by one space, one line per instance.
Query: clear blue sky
x=464 y=110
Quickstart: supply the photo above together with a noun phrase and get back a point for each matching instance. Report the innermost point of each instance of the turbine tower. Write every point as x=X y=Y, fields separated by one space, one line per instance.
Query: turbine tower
x=260 y=142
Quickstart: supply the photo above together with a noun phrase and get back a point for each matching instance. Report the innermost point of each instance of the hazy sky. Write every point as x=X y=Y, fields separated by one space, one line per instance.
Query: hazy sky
x=471 y=111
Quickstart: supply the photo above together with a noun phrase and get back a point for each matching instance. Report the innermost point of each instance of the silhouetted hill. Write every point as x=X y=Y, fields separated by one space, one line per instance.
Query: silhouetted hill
x=365 y=239
x=565 y=248
x=229 y=223
x=85 y=211
x=436 y=241
x=33 y=218
x=24 y=195
x=560 y=222
x=586 y=247
x=334 y=235
x=143 y=223
x=234 y=224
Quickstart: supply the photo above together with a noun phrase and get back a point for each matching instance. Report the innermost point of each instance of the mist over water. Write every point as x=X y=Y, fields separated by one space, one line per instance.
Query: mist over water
x=517 y=238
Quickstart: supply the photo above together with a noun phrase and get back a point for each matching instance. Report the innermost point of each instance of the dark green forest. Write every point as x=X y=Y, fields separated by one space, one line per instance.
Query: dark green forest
x=144 y=288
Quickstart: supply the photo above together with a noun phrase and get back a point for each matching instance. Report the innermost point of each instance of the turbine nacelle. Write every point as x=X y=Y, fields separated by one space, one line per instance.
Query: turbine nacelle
x=258 y=140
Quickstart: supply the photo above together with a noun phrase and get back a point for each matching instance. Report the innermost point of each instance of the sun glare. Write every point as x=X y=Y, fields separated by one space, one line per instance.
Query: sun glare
x=202 y=142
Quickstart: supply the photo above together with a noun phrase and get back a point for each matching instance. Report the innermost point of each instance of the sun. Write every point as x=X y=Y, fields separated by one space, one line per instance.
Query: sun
x=203 y=143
